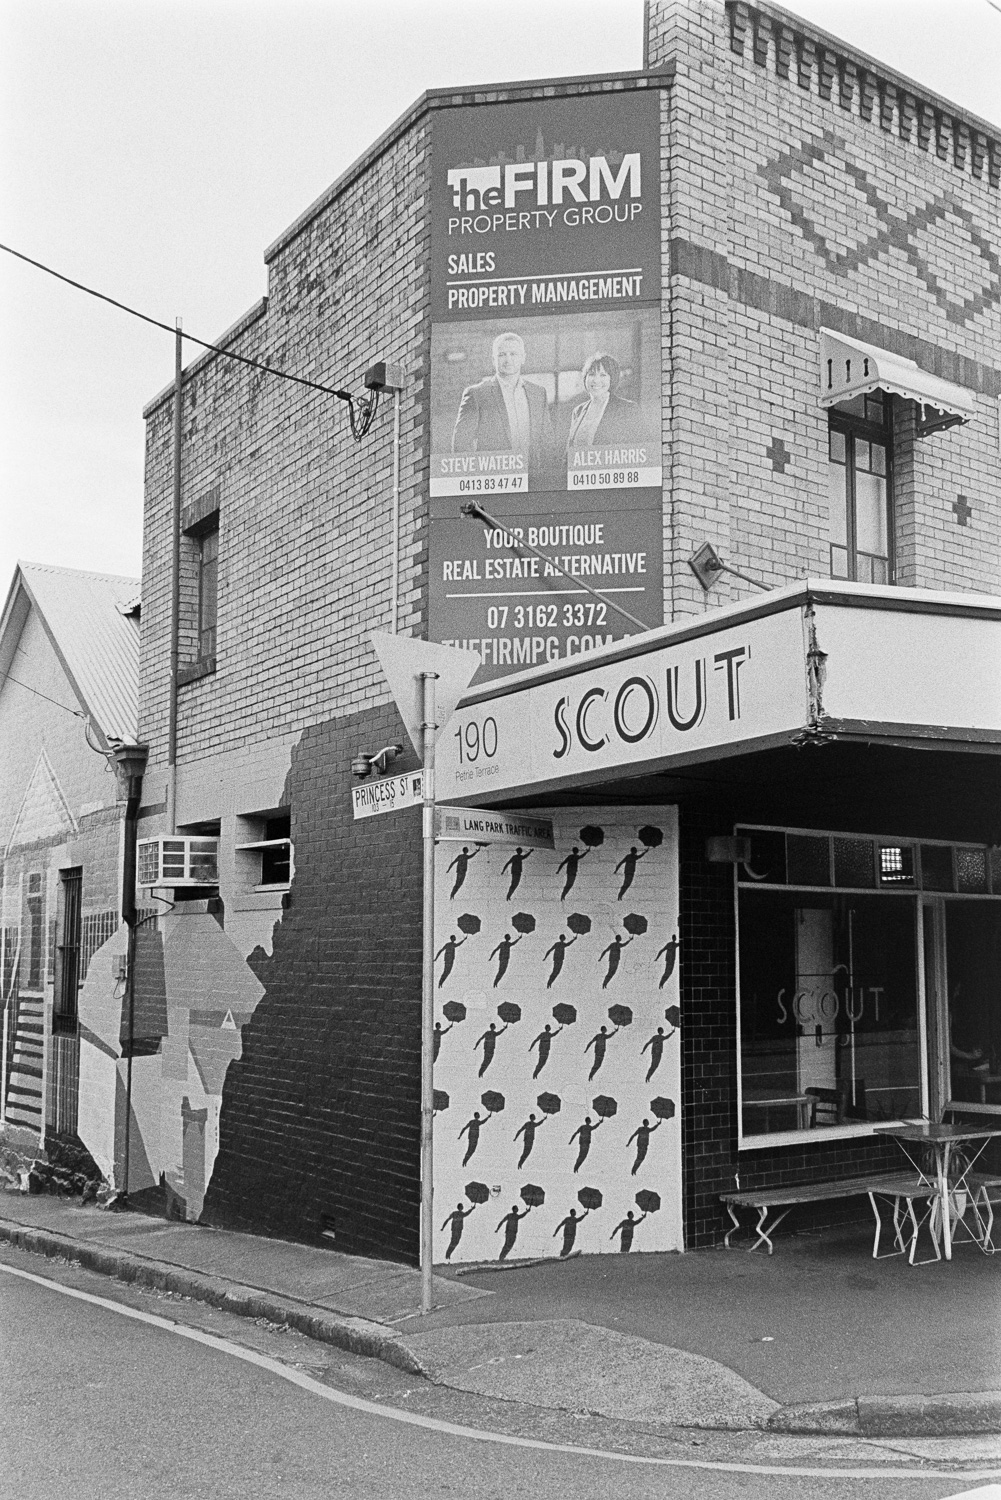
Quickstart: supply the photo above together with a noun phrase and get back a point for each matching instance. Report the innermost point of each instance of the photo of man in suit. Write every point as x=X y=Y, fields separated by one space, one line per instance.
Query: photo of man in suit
x=505 y=413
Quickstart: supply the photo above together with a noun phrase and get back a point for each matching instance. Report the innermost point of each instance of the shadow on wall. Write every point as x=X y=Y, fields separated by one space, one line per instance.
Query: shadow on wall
x=320 y=1120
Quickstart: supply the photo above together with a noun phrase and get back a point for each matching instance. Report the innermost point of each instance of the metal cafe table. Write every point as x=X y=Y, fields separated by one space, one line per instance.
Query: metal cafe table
x=942 y=1142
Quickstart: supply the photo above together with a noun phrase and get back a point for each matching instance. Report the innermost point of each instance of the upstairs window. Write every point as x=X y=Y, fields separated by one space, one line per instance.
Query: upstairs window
x=208 y=578
x=197 y=640
x=859 y=447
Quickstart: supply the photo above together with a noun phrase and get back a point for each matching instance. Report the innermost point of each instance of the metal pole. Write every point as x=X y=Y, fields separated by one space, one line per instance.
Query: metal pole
x=395 y=612
x=3 y=1000
x=427 y=999
x=130 y=960
x=129 y=917
x=756 y=582
x=175 y=588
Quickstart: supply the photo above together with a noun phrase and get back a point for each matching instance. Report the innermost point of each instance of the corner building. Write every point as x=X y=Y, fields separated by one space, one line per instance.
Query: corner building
x=749 y=297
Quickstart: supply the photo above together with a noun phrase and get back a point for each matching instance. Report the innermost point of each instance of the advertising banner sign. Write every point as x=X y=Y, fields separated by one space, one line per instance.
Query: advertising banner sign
x=545 y=375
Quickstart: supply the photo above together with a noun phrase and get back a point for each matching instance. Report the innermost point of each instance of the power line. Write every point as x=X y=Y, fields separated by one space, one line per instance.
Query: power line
x=361 y=419
x=64 y=706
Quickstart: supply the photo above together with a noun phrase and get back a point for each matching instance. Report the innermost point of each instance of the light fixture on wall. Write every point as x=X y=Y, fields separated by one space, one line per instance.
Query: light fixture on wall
x=707 y=565
x=363 y=765
x=728 y=851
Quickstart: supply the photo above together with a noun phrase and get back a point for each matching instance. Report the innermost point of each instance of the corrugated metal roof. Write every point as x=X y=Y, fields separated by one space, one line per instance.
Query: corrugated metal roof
x=98 y=644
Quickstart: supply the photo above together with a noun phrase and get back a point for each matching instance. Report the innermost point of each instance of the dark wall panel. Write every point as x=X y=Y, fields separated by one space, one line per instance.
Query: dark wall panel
x=321 y=1116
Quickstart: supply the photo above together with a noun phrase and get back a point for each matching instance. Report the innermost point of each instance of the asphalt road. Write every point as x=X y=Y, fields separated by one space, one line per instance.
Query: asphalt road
x=99 y=1397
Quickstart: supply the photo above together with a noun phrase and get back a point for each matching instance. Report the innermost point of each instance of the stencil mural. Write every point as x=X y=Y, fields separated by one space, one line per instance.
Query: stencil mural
x=557 y=1057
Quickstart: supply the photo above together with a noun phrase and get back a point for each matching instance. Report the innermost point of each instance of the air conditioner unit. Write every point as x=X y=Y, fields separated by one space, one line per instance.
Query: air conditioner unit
x=178 y=861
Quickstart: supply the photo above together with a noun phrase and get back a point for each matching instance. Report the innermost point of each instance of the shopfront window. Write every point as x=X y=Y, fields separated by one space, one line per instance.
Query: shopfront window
x=835 y=1010
x=829 y=1010
x=973 y=955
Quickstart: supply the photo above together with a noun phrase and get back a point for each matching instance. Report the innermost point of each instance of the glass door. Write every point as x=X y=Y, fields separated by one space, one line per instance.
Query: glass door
x=972 y=1044
x=936 y=1010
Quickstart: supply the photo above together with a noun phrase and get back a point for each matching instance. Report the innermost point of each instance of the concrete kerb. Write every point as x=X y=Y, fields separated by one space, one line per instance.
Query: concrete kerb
x=959 y=1414
x=357 y=1335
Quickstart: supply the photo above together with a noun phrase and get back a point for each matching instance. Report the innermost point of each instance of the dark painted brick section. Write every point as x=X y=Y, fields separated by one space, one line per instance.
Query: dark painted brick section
x=321 y=1116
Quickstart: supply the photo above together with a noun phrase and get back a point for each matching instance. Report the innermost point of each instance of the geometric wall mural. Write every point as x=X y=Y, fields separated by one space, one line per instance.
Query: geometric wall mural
x=557 y=1069
x=194 y=994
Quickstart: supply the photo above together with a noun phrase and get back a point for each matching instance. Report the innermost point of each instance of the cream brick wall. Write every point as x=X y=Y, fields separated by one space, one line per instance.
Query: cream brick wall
x=305 y=531
x=873 y=210
x=801 y=188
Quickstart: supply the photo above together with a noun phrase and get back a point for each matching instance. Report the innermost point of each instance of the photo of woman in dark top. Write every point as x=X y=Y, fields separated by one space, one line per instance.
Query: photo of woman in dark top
x=605 y=417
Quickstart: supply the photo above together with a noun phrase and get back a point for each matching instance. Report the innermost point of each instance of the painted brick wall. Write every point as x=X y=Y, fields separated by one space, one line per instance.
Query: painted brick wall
x=522 y=1075
x=320 y=1121
x=319 y=1117
x=808 y=190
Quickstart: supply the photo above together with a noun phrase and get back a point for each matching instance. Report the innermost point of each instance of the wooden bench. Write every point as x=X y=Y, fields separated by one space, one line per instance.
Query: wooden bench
x=892 y=1188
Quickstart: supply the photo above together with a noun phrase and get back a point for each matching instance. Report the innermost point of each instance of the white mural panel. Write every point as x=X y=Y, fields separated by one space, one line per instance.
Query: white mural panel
x=557 y=1071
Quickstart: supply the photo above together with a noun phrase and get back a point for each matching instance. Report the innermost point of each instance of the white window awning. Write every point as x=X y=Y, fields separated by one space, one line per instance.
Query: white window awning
x=849 y=368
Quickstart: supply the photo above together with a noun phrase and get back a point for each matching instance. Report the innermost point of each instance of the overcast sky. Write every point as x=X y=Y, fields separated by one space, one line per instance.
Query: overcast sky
x=153 y=148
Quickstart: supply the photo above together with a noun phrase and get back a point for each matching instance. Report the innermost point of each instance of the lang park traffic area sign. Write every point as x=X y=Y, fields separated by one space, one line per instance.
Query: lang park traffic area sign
x=479 y=826
x=388 y=794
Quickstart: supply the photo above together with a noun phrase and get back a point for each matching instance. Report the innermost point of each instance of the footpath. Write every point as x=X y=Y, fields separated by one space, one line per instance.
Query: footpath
x=818 y=1338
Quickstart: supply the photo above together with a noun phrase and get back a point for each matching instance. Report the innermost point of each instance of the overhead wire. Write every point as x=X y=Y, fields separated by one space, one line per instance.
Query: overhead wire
x=361 y=411
x=64 y=706
x=77 y=714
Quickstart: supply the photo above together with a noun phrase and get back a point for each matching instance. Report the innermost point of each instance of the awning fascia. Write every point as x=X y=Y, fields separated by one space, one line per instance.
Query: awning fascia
x=817 y=662
x=849 y=368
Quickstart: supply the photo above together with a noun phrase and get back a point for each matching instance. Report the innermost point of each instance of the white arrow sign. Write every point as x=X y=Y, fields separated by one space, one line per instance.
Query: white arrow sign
x=404 y=659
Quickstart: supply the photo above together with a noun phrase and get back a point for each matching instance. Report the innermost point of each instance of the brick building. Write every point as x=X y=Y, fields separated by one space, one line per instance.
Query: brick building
x=69 y=649
x=775 y=805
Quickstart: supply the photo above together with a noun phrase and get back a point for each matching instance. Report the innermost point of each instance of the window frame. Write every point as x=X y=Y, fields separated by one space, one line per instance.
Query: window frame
x=855 y=428
x=69 y=933
x=200 y=522
x=255 y=853
x=917 y=893
x=34 y=918
x=209 y=538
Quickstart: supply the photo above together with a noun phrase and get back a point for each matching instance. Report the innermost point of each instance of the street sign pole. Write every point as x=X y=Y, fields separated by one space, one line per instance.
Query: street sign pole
x=426 y=680
x=427 y=998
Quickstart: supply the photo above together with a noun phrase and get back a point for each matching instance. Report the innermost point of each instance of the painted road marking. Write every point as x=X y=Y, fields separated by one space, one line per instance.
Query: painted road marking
x=434 y=1424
